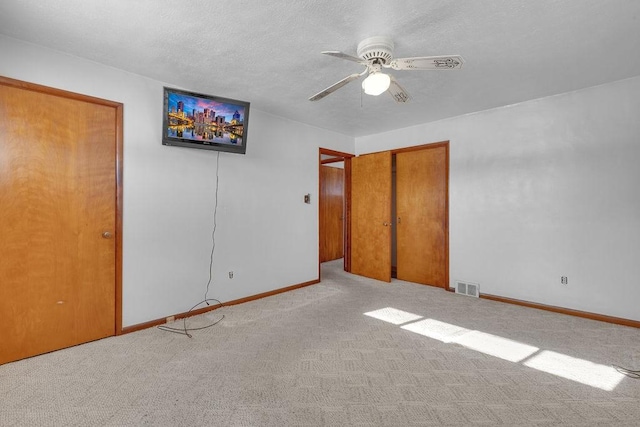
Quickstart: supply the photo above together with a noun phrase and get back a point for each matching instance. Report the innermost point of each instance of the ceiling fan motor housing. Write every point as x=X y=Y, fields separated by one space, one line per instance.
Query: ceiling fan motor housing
x=376 y=48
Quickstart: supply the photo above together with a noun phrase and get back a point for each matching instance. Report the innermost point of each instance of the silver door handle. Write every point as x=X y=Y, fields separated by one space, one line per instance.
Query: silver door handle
x=107 y=235
x=385 y=224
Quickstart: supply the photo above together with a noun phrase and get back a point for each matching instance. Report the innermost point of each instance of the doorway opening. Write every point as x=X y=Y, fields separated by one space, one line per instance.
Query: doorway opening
x=334 y=219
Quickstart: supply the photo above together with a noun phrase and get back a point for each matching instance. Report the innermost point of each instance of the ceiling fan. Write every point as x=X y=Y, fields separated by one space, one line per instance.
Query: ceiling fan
x=376 y=53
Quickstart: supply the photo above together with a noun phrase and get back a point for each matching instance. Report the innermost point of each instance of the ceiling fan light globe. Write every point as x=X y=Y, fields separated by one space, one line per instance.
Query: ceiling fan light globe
x=376 y=84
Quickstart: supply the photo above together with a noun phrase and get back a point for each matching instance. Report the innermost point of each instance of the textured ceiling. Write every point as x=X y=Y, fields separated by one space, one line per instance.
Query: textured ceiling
x=268 y=53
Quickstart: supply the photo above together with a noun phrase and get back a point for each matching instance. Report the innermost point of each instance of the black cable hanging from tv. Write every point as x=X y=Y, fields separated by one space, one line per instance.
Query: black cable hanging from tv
x=184 y=330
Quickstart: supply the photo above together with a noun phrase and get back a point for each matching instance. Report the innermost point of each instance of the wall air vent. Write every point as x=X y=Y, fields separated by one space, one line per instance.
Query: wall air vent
x=468 y=288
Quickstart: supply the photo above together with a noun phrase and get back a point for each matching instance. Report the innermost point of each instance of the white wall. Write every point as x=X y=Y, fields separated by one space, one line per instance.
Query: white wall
x=544 y=189
x=537 y=190
x=265 y=232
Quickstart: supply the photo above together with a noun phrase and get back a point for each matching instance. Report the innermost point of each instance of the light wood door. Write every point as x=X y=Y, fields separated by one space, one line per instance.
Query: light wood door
x=57 y=198
x=331 y=213
x=371 y=216
x=421 y=203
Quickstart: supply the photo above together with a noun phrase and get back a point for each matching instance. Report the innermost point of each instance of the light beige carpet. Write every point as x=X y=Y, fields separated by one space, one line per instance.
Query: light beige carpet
x=420 y=356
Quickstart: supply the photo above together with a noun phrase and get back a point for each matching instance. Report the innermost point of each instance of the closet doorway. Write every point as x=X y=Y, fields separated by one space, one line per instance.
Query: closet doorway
x=400 y=215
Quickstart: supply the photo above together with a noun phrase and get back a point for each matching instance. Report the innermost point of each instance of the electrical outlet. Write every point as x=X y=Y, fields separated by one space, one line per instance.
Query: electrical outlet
x=564 y=280
x=231 y=275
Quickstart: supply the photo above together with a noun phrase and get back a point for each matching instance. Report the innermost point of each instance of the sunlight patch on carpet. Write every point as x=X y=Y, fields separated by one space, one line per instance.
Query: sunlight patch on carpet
x=575 y=369
x=561 y=365
x=489 y=344
x=393 y=315
x=441 y=331
x=497 y=346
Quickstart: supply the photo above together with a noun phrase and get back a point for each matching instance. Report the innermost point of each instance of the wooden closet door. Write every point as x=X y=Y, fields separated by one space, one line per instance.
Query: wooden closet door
x=371 y=216
x=422 y=199
x=331 y=213
x=57 y=198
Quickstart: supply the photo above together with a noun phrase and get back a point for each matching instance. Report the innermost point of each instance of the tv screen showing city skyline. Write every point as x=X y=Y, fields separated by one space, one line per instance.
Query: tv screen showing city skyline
x=204 y=121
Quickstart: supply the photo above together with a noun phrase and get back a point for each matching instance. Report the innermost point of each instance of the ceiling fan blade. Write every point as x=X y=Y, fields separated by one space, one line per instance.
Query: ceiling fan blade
x=446 y=62
x=397 y=92
x=343 y=55
x=334 y=87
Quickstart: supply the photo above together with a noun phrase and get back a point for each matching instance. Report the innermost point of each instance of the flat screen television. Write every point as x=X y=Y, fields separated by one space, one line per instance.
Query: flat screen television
x=203 y=121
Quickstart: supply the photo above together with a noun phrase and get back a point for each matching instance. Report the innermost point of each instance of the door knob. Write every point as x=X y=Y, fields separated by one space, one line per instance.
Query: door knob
x=385 y=224
x=107 y=235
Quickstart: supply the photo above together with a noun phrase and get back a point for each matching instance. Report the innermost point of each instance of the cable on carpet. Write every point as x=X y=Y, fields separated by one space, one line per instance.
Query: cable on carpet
x=628 y=372
x=184 y=330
